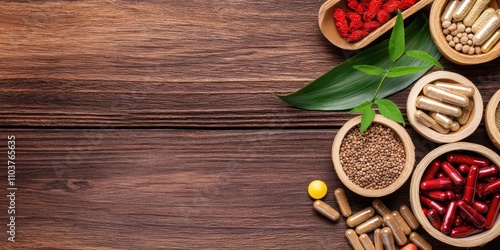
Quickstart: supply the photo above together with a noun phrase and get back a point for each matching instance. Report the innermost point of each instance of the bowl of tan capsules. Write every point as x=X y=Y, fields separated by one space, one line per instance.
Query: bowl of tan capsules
x=466 y=32
x=444 y=107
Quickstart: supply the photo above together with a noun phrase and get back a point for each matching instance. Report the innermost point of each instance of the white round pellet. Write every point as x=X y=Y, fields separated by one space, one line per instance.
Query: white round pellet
x=464 y=40
x=452 y=44
x=461 y=28
x=459 y=35
x=446 y=24
x=456 y=39
x=478 y=50
x=449 y=38
x=471 y=51
x=469 y=42
x=465 y=48
x=458 y=47
x=446 y=31
x=453 y=27
x=454 y=33
x=468 y=29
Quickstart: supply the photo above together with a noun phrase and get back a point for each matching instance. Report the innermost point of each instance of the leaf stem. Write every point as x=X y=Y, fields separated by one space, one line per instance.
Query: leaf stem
x=382 y=81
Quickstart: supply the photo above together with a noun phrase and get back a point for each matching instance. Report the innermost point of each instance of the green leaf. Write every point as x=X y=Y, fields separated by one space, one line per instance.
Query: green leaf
x=405 y=70
x=366 y=119
x=361 y=107
x=343 y=87
x=397 y=40
x=390 y=110
x=370 y=70
x=422 y=55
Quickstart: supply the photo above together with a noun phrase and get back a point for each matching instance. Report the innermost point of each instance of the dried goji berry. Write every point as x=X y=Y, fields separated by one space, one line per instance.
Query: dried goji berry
x=357 y=35
x=354 y=20
x=405 y=4
x=341 y=22
x=391 y=6
x=371 y=26
x=383 y=16
x=355 y=6
x=371 y=11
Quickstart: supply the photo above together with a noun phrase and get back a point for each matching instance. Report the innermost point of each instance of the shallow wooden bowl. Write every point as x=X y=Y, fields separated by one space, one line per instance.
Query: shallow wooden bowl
x=443 y=46
x=405 y=173
x=466 y=129
x=470 y=241
x=490 y=119
x=329 y=30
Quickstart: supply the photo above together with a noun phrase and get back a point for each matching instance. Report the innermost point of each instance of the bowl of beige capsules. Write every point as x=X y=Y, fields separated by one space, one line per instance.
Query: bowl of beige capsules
x=376 y=162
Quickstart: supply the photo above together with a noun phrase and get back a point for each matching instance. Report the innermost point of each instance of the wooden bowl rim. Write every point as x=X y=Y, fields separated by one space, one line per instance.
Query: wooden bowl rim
x=409 y=157
x=431 y=134
x=470 y=241
x=490 y=119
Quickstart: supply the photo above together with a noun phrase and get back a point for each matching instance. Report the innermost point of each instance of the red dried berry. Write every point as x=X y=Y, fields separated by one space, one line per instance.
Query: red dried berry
x=354 y=5
x=391 y=6
x=383 y=16
x=373 y=7
x=371 y=26
x=341 y=22
x=354 y=20
x=405 y=4
x=357 y=35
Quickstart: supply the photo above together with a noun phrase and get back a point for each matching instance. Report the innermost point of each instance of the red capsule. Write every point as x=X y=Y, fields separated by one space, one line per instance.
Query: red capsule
x=434 y=219
x=472 y=215
x=488 y=171
x=458 y=221
x=437 y=195
x=436 y=184
x=441 y=175
x=490 y=179
x=467 y=159
x=491 y=216
x=464 y=231
x=450 y=195
x=453 y=173
x=432 y=170
x=470 y=185
x=449 y=218
x=463 y=169
x=480 y=206
x=440 y=209
x=425 y=211
x=489 y=188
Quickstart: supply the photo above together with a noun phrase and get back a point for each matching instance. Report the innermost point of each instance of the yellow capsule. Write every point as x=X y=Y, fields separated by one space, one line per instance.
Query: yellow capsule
x=342 y=201
x=490 y=43
x=407 y=214
x=366 y=242
x=380 y=207
x=456 y=88
x=419 y=241
x=443 y=120
x=462 y=9
x=398 y=234
x=353 y=239
x=429 y=104
x=360 y=217
x=487 y=30
x=442 y=95
x=377 y=239
x=370 y=225
x=466 y=112
x=455 y=126
x=388 y=239
x=326 y=210
x=474 y=12
x=449 y=10
x=482 y=19
x=402 y=223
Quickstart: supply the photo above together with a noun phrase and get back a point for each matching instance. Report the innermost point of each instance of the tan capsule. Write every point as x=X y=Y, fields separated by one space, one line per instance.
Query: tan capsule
x=419 y=241
x=369 y=225
x=353 y=239
x=482 y=19
x=377 y=239
x=360 y=217
x=466 y=112
x=407 y=214
x=456 y=88
x=443 y=120
x=342 y=201
x=402 y=223
x=449 y=10
x=490 y=43
x=445 y=96
x=366 y=242
x=455 y=126
x=487 y=30
x=398 y=234
x=429 y=104
x=474 y=12
x=462 y=10
x=387 y=239
x=326 y=210
x=428 y=121
x=380 y=207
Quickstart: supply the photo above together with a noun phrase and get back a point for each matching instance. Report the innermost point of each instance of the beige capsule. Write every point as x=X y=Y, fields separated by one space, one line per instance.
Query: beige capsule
x=369 y=225
x=419 y=241
x=353 y=239
x=407 y=214
x=377 y=239
x=462 y=9
x=388 y=239
x=449 y=10
x=443 y=120
x=466 y=112
x=360 y=217
x=366 y=242
x=456 y=88
x=474 y=12
x=398 y=234
x=402 y=223
x=429 y=104
x=380 y=207
x=482 y=19
x=487 y=30
x=425 y=119
x=445 y=96
x=342 y=201
x=455 y=126
x=326 y=210
x=490 y=43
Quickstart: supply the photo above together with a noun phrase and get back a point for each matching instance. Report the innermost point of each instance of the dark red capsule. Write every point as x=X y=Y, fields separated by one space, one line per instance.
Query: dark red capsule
x=490 y=179
x=437 y=195
x=463 y=231
x=489 y=188
x=472 y=215
x=463 y=169
x=470 y=185
x=441 y=175
x=453 y=173
x=491 y=216
x=488 y=171
x=432 y=170
x=450 y=195
x=467 y=159
x=458 y=221
x=480 y=206
x=425 y=211
x=434 y=219
x=436 y=184
x=449 y=218
x=440 y=209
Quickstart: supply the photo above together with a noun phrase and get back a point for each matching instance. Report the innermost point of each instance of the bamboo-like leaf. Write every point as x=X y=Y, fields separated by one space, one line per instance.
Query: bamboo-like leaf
x=366 y=119
x=361 y=107
x=343 y=87
x=405 y=70
x=397 y=40
x=370 y=70
x=390 y=110
x=422 y=55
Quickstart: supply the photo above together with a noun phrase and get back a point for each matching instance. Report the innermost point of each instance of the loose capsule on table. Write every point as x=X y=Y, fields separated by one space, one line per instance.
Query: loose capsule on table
x=401 y=221
x=360 y=217
x=380 y=207
x=377 y=239
x=342 y=201
x=420 y=241
x=407 y=214
x=369 y=225
x=326 y=210
x=366 y=242
x=353 y=239
x=388 y=239
x=397 y=231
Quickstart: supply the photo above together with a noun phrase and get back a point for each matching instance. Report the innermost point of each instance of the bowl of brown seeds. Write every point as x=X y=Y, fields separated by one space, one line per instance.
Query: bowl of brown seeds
x=492 y=119
x=376 y=162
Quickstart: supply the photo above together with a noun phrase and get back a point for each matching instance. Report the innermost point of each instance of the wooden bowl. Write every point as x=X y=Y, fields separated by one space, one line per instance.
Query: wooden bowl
x=409 y=149
x=466 y=129
x=443 y=46
x=490 y=119
x=470 y=241
x=329 y=30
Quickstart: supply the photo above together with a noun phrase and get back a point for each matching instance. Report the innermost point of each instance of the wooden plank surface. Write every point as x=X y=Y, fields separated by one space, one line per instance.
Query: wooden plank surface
x=154 y=125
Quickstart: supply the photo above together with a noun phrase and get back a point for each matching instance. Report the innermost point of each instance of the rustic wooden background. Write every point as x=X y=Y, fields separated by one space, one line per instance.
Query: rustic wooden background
x=154 y=125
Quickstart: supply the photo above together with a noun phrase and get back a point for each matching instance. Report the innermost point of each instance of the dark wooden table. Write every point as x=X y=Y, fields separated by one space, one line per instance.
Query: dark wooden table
x=154 y=125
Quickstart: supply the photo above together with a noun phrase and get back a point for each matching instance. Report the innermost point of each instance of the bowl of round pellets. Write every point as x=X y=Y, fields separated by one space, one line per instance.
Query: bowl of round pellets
x=444 y=107
x=466 y=32
x=492 y=119
x=376 y=162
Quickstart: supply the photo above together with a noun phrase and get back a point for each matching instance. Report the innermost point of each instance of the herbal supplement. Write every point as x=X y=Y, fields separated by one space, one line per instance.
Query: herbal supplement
x=491 y=216
x=388 y=239
x=443 y=120
x=456 y=88
x=428 y=121
x=360 y=217
x=402 y=223
x=366 y=242
x=462 y=9
x=369 y=225
x=455 y=126
x=326 y=210
x=407 y=214
x=449 y=10
x=449 y=218
x=434 y=219
x=490 y=43
x=467 y=159
x=487 y=30
x=475 y=11
x=453 y=173
x=464 y=231
x=377 y=239
x=397 y=232
x=470 y=185
x=442 y=95
x=466 y=112
x=317 y=189
x=353 y=239
x=380 y=207
x=429 y=104
x=342 y=201
x=373 y=159
x=419 y=241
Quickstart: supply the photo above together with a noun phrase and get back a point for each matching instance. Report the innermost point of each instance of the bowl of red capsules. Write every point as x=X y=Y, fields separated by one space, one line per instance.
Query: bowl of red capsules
x=455 y=194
